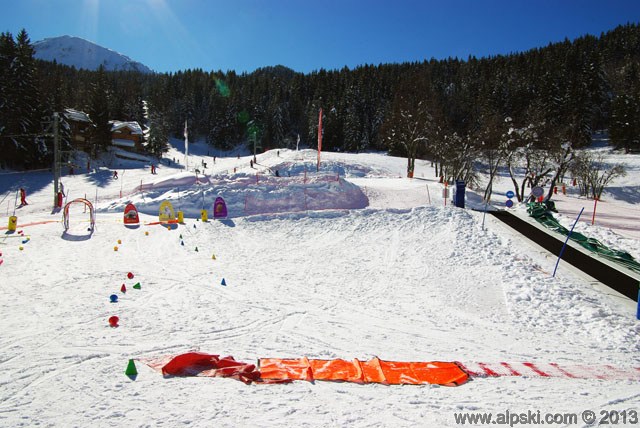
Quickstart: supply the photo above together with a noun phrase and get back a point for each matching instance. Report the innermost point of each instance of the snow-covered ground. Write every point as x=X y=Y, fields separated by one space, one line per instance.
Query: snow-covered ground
x=384 y=269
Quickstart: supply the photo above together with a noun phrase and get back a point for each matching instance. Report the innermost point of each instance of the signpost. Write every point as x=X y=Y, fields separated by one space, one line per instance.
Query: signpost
x=509 y=195
x=538 y=192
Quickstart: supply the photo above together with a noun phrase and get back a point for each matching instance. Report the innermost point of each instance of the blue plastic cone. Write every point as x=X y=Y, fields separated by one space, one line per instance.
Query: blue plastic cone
x=223 y=282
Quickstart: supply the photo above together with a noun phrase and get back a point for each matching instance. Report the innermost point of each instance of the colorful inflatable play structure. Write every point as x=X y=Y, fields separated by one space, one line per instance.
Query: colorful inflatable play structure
x=65 y=212
x=166 y=212
x=131 y=215
x=219 y=208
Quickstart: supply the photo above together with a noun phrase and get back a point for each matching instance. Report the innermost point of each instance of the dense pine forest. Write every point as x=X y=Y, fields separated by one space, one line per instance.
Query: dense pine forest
x=453 y=111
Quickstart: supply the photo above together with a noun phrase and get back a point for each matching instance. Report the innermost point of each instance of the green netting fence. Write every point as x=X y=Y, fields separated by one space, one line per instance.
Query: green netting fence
x=541 y=211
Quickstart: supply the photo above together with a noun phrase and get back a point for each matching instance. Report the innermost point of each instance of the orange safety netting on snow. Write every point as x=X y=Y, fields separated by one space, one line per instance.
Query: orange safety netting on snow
x=372 y=371
x=279 y=370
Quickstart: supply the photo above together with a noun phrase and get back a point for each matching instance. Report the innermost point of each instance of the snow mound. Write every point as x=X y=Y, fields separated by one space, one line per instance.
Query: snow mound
x=244 y=194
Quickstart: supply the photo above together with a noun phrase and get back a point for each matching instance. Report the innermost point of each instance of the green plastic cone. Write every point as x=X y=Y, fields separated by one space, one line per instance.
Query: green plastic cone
x=196 y=249
x=131 y=369
x=137 y=286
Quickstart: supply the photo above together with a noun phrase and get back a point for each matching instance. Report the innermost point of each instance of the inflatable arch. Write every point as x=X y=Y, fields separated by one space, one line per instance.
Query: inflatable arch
x=65 y=212
x=166 y=212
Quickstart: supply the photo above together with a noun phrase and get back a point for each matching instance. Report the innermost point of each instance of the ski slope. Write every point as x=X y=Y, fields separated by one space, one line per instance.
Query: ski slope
x=386 y=270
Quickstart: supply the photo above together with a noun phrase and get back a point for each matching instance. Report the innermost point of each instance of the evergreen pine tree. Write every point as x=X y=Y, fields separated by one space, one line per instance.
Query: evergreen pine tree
x=100 y=115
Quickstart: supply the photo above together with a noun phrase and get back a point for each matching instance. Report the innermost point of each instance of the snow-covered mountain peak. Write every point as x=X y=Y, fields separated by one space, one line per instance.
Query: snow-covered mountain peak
x=81 y=53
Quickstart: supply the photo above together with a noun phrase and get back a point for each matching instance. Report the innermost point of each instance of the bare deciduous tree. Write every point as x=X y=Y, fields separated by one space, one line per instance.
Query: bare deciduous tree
x=594 y=173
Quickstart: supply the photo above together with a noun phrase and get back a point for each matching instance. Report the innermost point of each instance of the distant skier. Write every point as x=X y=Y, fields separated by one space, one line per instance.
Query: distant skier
x=23 y=197
x=250 y=163
x=115 y=175
x=153 y=169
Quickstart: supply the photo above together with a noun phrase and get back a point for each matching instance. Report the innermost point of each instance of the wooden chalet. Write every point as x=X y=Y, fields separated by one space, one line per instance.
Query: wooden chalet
x=81 y=128
x=126 y=136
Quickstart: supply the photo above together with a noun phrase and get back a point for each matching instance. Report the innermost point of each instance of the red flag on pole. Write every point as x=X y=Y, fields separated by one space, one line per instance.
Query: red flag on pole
x=319 y=138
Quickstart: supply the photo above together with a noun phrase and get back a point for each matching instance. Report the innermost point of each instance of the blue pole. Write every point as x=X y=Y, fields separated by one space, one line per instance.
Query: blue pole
x=565 y=242
x=638 y=310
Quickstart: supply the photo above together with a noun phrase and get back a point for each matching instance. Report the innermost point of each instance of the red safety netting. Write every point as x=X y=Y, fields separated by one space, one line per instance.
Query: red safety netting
x=279 y=370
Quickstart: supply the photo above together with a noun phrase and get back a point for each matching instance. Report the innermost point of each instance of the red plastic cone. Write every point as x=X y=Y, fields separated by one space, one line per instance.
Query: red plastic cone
x=123 y=288
x=113 y=321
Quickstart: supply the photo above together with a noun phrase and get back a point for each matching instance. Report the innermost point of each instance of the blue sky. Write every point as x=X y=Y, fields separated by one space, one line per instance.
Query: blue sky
x=306 y=35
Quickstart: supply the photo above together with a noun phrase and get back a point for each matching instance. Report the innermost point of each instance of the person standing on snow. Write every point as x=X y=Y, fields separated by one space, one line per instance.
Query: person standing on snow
x=23 y=197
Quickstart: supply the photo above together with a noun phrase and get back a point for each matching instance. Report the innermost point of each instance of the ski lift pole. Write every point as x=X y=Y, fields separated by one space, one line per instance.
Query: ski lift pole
x=565 y=242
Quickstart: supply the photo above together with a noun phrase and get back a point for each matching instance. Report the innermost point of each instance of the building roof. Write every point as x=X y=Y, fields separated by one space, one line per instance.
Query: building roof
x=133 y=126
x=76 y=115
